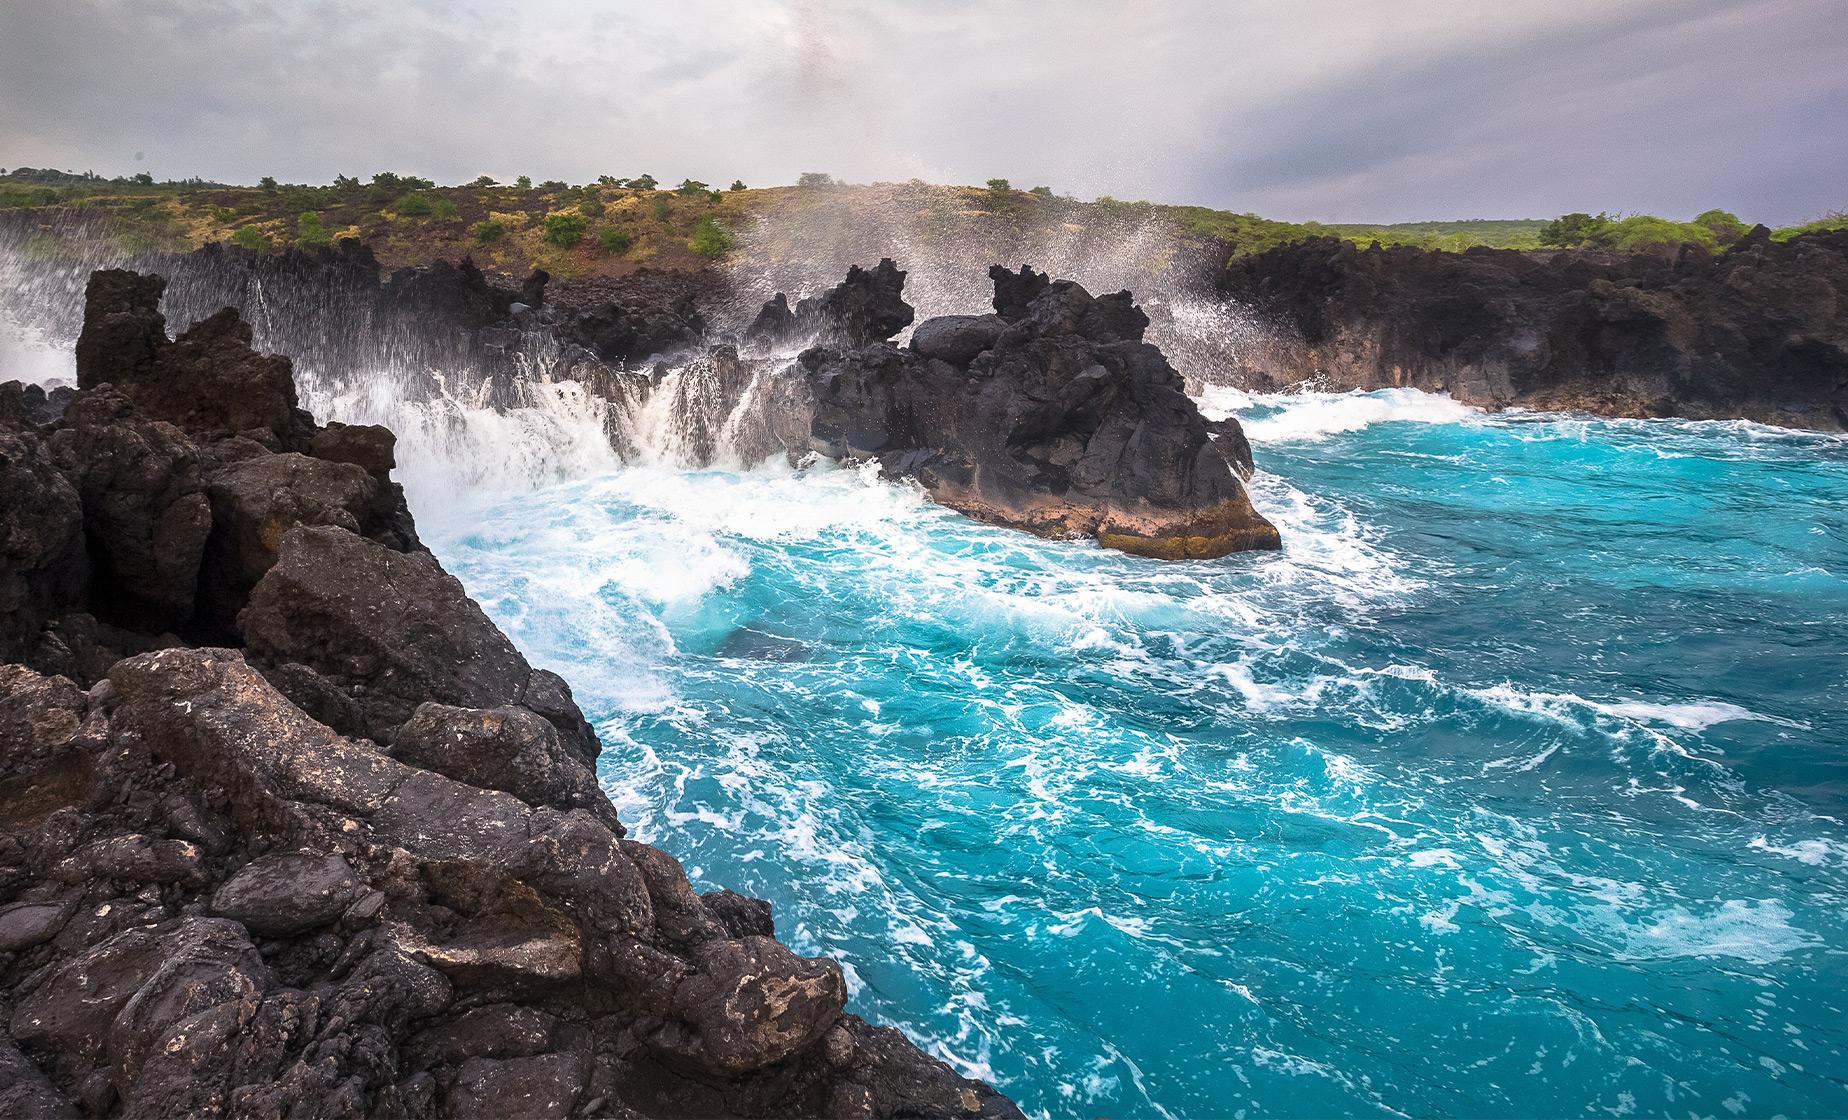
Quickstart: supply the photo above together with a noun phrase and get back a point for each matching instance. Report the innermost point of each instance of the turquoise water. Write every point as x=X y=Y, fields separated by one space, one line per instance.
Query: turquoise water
x=1513 y=786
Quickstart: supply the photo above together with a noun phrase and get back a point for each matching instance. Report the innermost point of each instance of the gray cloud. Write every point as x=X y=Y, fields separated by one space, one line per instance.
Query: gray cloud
x=1338 y=111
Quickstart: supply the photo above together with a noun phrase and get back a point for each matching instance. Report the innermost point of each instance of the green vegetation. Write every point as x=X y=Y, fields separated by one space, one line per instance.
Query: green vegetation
x=814 y=179
x=309 y=231
x=644 y=182
x=1836 y=220
x=252 y=238
x=611 y=241
x=999 y=186
x=524 y=182
x=565 y=230
x=413 y=205
x=710 y=238
x=737 y=185
x=487 y=230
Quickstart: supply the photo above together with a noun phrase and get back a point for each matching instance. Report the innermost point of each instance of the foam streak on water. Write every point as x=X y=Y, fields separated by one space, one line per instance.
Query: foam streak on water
x=1512 y=786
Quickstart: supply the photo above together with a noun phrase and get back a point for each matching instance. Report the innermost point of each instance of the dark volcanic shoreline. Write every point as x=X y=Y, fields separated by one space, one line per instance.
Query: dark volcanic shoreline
x=1758 y=332
x=289 y=827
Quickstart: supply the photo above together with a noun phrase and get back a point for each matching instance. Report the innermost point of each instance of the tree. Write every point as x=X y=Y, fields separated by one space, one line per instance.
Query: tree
x=483 y=182
x=1043 y=192
x=644 y=182
x=999 y=186
x=345 y=183
x=524 y=182
x=710 y=237
x=553 y=185
x=738 y=185
x=608 y=181
x=1575 y=229
x=815 y=179
x=268 y=183
x=144 y=179
x=565 y=230
x=692 y=186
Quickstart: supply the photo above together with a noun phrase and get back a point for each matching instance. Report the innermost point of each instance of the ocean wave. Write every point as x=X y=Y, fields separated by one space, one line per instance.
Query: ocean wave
x=1312 y=417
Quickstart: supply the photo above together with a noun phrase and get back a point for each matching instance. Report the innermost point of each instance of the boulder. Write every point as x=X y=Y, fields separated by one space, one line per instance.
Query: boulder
x=508 y=748
x=957 y=339
x=397 y=630
x=286 y=893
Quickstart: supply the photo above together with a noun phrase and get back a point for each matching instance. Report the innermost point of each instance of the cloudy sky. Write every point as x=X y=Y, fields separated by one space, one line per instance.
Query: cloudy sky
x=1382 y=110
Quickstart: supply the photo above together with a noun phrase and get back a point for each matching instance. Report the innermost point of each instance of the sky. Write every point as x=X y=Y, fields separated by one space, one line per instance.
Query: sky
x=1377 y=111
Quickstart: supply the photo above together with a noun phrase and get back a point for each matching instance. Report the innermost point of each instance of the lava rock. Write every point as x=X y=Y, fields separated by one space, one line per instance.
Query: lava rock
x=287 y=893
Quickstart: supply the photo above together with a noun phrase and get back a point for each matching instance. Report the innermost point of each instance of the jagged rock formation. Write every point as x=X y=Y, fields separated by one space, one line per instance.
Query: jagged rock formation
x=1051 y=415
x=1758 y=332
x=287 y=827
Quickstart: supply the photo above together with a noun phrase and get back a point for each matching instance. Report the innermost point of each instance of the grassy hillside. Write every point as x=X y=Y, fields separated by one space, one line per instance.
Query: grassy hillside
x=616 y=226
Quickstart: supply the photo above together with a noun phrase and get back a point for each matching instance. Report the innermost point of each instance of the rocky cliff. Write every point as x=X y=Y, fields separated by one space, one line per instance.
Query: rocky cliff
x=1050 y=414
x=289 y=828
x=1758 y=332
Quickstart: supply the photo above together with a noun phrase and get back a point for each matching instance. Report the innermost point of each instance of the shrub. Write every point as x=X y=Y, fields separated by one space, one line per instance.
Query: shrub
x=663 y=209
x=345 y=183
x=483 y=182
x=524 y=182
x=644 y=182
x=487 y=230
x=1043 y=192
x=691 y=186
x=309 y=230
x=1645 y=233
x=738 y=185
x=412 y=205
x=553 y=185
x=1571 y=230
x=565 y=230
x=443 y=210
x=710 y=238
x=143 y=179
x=591 y=206
x=268 y=182
x=815 y=179
x=1725 y=227
x=250 y=237
x=611 y=241
x=999 y=186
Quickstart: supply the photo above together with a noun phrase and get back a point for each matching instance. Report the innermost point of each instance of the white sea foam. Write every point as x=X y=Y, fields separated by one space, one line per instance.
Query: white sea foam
x=1562 y=707
x=1309 y=416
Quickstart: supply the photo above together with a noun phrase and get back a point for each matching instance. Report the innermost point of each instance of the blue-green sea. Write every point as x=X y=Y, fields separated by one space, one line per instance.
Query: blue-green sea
x=1515 y=785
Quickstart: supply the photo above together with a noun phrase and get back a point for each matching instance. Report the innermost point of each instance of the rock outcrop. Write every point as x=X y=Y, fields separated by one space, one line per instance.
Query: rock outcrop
x=1051 y=415
x=1758 y=332
x=288 y=827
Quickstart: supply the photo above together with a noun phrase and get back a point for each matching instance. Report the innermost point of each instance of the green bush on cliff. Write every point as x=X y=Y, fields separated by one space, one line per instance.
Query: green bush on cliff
x=487 y=230
x=1725 y=227
x=710 y=237
x=310 y=232
x=412 y=205
x=1569 y=231
x=250 y=237
x=565 y=230
x=612 y=242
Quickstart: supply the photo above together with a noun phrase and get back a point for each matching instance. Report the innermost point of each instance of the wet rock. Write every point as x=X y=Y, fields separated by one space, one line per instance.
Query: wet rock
x=1065 y=423
x=371 y=447
x=957 y=339
x=508 y=748
x=288 y=893
x=740 y=915
x=207 y=381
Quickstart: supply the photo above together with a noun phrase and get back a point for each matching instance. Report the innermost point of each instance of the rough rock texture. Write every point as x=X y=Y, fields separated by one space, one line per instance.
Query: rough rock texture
x=868 y=306
x=340 y=852
x=1758 y=332
x=630 y=320
x=1052 y=415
